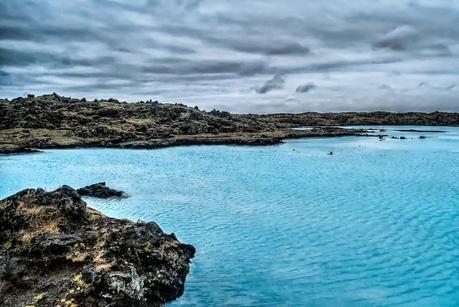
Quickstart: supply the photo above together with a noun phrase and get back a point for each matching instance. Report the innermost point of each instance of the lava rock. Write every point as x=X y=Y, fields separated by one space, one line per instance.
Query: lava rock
x=56 y=251
x=100 y=190
x=54 y=121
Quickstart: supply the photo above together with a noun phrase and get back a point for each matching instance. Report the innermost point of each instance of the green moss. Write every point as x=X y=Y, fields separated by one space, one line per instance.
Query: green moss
x=38 y=297
x=148 y=247
x=7 y=245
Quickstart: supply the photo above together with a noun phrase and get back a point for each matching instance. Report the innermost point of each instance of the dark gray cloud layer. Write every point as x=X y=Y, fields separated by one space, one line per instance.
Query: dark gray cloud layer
x=305 y=88
x=272 y=84
x=243 y=56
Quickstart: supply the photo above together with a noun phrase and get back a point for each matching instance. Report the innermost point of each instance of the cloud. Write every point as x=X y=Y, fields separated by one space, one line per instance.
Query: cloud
x=385 y=87
x=305 y=88
x=422 y=84
x=398 y=39
x=214 y=53
x=272 y=84
x=269 y=48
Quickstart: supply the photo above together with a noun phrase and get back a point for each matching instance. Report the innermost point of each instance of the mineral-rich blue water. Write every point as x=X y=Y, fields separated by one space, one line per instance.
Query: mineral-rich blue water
x=376 y=223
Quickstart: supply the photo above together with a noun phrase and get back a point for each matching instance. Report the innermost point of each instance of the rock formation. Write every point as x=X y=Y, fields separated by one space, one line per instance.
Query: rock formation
x=100 y=190
x=53 y=121
x=56 y=251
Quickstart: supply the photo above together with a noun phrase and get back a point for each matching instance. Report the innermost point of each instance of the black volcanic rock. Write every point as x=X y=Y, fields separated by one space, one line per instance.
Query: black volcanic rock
x=13 y=149
x=56 y=251
x=100 y=190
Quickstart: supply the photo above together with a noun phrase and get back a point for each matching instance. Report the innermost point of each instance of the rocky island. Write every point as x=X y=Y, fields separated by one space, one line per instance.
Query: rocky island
x=56 y=251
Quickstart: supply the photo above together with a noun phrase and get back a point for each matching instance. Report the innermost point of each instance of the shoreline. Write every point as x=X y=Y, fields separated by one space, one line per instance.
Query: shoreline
x=238 y=139
x=52 y=121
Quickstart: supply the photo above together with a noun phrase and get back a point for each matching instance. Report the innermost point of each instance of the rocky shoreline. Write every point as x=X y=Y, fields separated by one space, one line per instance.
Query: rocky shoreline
x=53 y=121
x=56 y=251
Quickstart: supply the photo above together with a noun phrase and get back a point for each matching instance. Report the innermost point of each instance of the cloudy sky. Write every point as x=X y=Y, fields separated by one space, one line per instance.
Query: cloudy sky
x=241 y=56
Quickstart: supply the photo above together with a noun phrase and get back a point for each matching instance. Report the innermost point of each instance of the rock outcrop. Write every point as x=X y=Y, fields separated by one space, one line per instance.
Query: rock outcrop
x=53 y=121
x=56 y=251
x=100 y=190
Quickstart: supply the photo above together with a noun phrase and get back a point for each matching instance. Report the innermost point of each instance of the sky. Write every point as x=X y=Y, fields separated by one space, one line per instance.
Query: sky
x=240 y=56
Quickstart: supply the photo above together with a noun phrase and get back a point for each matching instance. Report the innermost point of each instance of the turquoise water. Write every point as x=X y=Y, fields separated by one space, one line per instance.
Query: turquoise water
x=376 y=223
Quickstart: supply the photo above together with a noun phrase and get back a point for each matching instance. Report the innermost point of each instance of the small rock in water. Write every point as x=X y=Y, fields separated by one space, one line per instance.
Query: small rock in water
x=330 y=153
x=100 y=190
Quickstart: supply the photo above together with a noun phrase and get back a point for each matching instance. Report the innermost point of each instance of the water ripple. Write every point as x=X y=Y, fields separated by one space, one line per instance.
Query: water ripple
x=375 y=224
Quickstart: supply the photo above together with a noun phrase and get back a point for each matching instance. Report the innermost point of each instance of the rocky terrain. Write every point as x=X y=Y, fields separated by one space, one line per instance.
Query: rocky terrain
x=53 y=121
x=56 y=251
x=364 y=118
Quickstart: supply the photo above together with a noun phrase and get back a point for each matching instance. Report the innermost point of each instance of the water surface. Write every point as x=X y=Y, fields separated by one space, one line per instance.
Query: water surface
x=376 y=223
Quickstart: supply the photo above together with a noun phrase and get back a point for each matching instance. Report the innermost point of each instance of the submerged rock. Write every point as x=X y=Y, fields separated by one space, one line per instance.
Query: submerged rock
x=54 y=250
x=100 y=190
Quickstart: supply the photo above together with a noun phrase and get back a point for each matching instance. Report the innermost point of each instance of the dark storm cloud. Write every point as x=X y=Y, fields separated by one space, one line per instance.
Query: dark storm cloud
x=305 y=88
x=12 y=57
x=407 y=38
x=277 y=49
x=272 y=84
x=185 y=67
x=266 y=47
x=215 y=53
x=398 y=39
x=16 y=58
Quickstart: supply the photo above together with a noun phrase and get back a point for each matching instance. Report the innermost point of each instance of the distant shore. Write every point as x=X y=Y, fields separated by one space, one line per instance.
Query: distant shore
x=53 y=121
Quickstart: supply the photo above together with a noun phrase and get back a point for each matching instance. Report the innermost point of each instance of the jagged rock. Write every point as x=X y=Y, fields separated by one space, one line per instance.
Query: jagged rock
x=100 y=190
x=56 y=251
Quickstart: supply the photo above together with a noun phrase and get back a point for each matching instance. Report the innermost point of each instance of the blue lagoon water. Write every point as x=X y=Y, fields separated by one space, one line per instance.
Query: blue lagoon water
x=376 y=223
